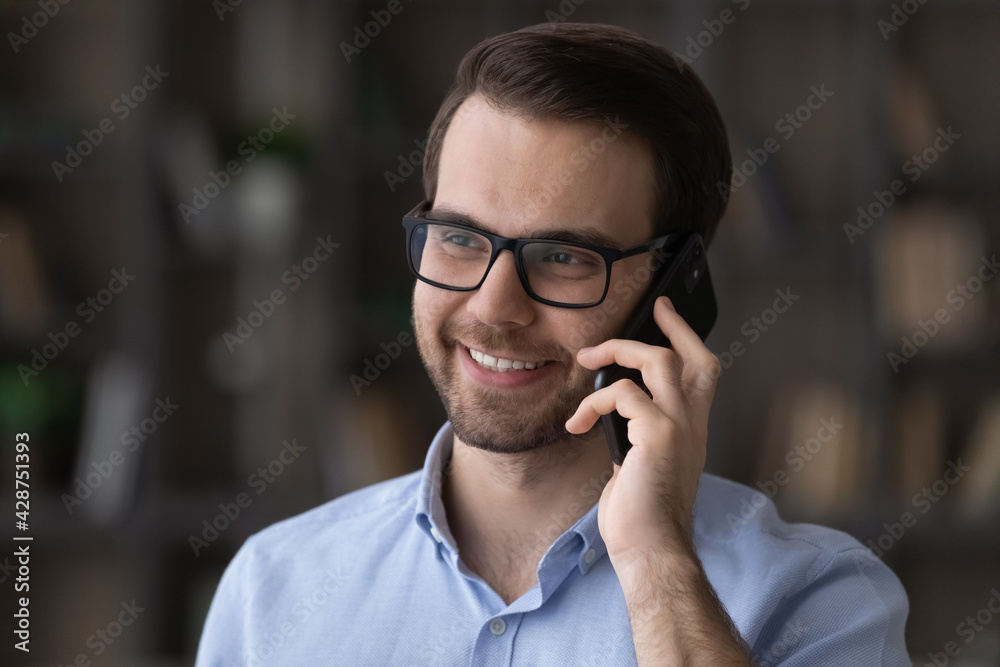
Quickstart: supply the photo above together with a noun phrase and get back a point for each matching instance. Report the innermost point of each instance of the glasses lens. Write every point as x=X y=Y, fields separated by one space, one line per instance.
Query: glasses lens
x=449 y=255
x=564 y=273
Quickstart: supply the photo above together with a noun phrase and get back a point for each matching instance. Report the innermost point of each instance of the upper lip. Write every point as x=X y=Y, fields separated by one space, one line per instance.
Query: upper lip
x=513 y=356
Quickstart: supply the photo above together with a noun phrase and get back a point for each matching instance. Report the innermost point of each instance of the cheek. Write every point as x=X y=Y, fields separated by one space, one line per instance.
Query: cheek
x=426 y=321
x=432 y=304
x=437 y=314
x=591 y=326
x=628 y=285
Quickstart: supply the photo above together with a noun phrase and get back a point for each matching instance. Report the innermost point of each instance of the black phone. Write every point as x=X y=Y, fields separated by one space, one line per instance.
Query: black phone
x=684 y=279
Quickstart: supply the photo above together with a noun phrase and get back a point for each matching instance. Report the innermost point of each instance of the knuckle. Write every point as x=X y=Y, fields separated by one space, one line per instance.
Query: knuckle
x=626 y=385
x=713 y=367
x=665 y=356
x=669 y=428
x=712 y=362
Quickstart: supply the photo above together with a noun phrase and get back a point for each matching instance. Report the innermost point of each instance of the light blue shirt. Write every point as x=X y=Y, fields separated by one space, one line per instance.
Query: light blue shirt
x=374 y=578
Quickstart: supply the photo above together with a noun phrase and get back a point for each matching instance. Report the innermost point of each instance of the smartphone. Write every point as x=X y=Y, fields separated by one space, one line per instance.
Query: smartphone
x=685 y=281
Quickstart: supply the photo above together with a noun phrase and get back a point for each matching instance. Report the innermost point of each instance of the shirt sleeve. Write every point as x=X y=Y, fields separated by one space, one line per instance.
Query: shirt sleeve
x=222 y=638
x=851 y=612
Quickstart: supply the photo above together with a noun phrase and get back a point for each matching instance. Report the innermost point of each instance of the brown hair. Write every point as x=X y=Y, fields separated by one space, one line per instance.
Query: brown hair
x=595 y=72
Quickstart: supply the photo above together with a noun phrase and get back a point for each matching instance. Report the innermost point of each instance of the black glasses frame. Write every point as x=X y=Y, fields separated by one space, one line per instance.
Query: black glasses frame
x=497 y=243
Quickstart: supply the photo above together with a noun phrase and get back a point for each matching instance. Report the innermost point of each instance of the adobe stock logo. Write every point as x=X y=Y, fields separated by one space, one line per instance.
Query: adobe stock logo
x=103 y=638
x=259 y=481
x=786 y=126
x=130 y=439
x=796 y=459
x=581 y=158
x=264 y=309
x=390 y=352
x=223 y=7
x=565 y=9
x=249 y=148
x=372 y=29
x=914 y=168
x=924 y=501
x=88 y=310
x=968 y=629
x=901 y=13
x=122 y=106
x=753 y=329
x=38 y=21
x=407 y=165
x=927 y=329
x=695 y=46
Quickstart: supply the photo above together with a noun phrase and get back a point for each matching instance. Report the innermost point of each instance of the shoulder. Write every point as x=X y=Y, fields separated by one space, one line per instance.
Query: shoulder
x=364 y=513
x=796 y=583
x=740 y=537
x=731 y=515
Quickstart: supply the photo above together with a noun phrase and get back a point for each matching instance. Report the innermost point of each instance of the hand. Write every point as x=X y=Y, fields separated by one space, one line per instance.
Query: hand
x=647 y=507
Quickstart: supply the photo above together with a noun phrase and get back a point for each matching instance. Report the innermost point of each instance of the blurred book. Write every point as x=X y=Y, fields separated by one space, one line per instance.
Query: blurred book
x=25 y=301
x=818 y=450
x=106 y=475
x=925 y=257
x=758 y=219
x=912 y=110
x=918 y=439
x=373 y=435
x=979 y=494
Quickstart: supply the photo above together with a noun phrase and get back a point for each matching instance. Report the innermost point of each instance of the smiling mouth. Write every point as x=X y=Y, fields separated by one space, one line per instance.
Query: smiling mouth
x=501 y=365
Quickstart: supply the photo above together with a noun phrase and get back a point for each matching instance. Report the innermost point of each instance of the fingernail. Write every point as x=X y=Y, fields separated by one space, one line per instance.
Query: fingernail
x=669 y=305
x=584 y=350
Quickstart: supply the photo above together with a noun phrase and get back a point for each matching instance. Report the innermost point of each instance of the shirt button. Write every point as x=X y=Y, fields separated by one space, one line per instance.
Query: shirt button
x=497 y=626
x=589 y=556
x=436 y=534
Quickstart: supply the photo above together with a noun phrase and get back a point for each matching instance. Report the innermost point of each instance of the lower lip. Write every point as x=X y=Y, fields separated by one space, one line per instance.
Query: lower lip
x=509 y=379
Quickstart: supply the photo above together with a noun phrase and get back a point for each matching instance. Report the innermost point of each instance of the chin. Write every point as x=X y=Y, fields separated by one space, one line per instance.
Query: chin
x=502 y=412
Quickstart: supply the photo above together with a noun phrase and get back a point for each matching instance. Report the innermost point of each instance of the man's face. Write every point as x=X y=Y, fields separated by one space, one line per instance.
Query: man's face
x=519 y=178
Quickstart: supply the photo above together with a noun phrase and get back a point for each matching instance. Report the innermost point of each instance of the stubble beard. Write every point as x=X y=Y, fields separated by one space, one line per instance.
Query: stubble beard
x=502 y=421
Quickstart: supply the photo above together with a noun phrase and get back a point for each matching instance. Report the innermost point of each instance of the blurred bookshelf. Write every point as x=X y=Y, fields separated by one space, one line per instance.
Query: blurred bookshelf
x=794 y=224
x=825 y=358
x=127 y=535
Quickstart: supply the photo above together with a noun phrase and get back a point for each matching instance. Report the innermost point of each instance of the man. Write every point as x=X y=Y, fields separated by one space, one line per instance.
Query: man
x=498 y=552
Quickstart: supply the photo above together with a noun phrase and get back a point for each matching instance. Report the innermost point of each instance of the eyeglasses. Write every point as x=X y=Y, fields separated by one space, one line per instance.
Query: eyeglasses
x=565 y=274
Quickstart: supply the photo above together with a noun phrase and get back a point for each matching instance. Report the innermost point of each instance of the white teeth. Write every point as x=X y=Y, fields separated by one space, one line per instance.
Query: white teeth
x=504 y=365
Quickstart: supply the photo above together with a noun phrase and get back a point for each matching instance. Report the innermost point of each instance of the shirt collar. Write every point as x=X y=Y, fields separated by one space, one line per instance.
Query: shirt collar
x=430 y=514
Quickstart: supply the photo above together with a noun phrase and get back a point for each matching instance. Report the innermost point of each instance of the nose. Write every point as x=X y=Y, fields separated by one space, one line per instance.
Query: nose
x=501 y=300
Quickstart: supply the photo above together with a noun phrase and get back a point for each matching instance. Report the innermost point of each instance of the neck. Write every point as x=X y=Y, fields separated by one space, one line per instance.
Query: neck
x=520 y=503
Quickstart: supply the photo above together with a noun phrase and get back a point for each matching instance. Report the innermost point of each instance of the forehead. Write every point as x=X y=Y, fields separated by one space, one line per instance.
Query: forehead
x=519 y=176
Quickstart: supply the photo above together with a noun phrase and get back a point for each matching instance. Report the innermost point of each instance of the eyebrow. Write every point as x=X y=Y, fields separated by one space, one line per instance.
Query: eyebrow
x=584 y=236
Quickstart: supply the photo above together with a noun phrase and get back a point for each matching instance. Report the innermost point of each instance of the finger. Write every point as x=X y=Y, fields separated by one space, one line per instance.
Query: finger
x=623 y=396
x=648 y=427
x=701 y=368
x=628 y=353
x=682 y=337
x=661 y=369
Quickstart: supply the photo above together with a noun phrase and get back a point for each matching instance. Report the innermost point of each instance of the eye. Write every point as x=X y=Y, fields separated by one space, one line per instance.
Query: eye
x=462 y=240
x=568 y=257
x=453 y=239
x=561 y=258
